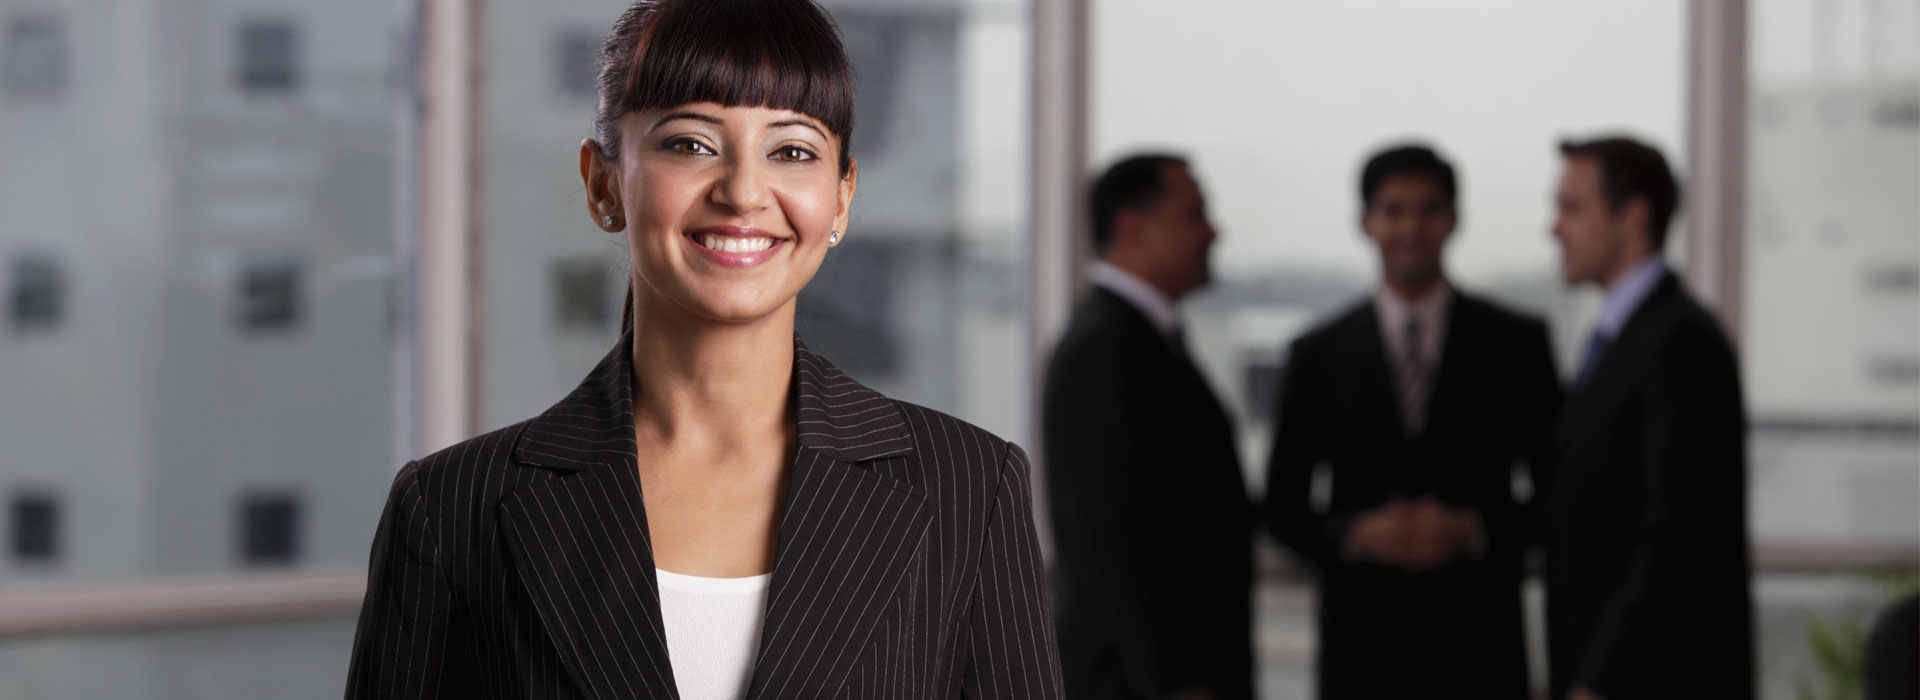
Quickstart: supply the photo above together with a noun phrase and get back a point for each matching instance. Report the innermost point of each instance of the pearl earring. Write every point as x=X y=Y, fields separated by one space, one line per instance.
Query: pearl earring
x=833 y=238
x=606 y=220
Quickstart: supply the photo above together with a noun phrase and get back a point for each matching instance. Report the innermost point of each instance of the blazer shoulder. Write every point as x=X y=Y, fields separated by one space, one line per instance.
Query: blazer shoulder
x=1509 y=326
x=1681 y=322
x=947 y=445
x=1343 y=326
x=1499 y=313
x=457 y=468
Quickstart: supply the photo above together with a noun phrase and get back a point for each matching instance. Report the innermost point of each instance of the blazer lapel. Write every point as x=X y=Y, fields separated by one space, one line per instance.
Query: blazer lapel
x=1457 y=362
x=579 y=539
x=1606 y=373
x=1372 y=353
x=847 y=537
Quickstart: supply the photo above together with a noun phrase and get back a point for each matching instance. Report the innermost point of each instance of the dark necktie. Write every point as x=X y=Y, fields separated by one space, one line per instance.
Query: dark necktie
x=1596 y=346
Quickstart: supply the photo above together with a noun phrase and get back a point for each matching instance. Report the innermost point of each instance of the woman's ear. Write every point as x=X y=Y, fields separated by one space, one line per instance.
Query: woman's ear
x=848 y=183
x=602 y=187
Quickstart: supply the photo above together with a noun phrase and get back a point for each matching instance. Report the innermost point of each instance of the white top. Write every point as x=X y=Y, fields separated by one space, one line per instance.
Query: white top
x=1431 y=310
x=713 y=632
x=1140 y=293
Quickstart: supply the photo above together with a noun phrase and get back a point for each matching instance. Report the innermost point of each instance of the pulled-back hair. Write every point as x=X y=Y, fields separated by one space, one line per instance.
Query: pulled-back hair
x=782 y=54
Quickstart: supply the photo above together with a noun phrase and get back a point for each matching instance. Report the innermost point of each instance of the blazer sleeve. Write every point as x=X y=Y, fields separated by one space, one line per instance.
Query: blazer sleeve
x=399 y=648
x=1297 y=449
x=1011 y=644
x=1693 y=460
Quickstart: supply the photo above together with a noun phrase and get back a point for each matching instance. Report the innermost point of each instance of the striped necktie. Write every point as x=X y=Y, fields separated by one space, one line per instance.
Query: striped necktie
x=1412 y=377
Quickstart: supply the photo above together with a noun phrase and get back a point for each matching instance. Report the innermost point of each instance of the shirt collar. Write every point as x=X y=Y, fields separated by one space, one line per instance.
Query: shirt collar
x=1151 y=302
x=1430 y=309
x=1626 y=294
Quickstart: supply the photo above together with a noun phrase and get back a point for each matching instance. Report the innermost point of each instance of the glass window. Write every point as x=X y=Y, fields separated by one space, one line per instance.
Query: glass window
x=34 y=64
x=1830 y=336
x=269 y=56
x=222 y=277
x=1278 y=105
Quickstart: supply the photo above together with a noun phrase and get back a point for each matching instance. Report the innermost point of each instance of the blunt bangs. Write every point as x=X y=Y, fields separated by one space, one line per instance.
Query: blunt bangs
x=779 y=54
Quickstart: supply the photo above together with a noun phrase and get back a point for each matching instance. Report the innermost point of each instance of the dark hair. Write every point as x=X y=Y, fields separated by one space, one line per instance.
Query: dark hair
x=1135 y=181
x=1629 y=169
x=783 y=54
x=1408 y=159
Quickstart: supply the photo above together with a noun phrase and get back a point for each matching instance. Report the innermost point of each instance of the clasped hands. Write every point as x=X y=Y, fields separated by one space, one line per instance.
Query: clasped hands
x=1415 y=535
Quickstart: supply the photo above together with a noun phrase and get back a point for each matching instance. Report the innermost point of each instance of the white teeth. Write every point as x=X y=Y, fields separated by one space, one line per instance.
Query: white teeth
x=726 y=244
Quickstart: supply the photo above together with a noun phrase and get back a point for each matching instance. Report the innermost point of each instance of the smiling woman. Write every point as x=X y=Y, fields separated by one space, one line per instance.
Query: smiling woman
x=715 y=512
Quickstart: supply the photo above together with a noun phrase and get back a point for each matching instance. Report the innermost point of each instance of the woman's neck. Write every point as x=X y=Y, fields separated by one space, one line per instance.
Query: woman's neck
x=711 y=386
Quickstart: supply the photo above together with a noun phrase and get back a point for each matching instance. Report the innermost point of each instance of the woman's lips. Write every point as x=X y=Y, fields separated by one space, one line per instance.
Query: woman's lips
x=735 y=247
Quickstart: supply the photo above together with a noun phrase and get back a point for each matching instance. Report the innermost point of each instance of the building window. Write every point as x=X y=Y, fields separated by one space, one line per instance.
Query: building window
x=35 y=62
x=1894 y=370
x=580 y=294
x=269 y=57
x=269 y=294
x=270 y=529
x=576 y=57
x=36 y=527
x=38 y=298
x=1895 y=279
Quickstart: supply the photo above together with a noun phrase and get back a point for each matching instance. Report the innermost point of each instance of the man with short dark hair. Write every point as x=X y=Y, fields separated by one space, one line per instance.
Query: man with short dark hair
x=1646 y=541
x=1151 y=522
x=1419 y=402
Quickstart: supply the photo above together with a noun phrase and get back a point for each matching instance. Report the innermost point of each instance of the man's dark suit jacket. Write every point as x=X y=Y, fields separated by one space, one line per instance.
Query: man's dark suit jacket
x=1455 y=631
x=1646 y=539
x=517 y=564
x=1151 y=520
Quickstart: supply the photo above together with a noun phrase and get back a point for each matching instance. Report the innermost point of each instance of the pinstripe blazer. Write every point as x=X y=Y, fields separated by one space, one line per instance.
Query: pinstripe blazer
x=517 y=564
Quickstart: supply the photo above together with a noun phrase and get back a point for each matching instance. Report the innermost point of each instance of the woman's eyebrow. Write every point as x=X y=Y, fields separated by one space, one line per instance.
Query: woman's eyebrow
x=798 y=122
x=696 y=116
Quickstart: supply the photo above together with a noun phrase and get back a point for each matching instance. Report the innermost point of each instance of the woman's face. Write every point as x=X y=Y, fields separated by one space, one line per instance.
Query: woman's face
x=727 y=210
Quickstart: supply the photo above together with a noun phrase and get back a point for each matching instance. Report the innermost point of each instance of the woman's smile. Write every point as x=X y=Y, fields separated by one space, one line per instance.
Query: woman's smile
x=735 y=247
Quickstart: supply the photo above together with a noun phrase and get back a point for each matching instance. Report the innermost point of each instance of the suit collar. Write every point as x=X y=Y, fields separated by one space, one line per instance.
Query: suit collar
x=582 y=548
x=1606 y=375
x=1461 y=322
x=593 y=425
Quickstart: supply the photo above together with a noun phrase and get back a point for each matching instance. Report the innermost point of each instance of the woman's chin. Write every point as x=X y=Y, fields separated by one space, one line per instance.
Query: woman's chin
x=736 y=309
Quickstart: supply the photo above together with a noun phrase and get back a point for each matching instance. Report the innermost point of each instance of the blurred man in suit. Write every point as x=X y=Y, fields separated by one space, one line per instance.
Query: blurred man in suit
x=1646 y=540
x=1151 y=519
x=1419 y=401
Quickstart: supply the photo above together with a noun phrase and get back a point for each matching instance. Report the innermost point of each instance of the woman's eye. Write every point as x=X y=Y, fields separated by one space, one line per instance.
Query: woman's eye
x=691 y=147
x=793 y=154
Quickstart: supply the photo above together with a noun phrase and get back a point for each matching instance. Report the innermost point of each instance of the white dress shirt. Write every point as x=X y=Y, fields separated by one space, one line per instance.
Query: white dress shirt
x=1151 y=302
x=1626 y=295
x=1431 y=310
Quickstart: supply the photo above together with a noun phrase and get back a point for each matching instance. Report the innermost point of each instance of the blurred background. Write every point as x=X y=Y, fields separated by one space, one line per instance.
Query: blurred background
x=229 y=228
